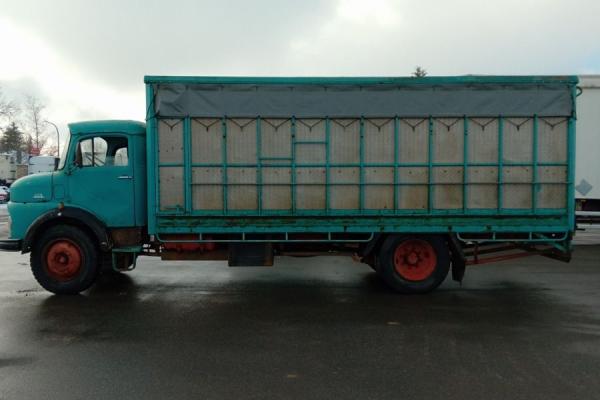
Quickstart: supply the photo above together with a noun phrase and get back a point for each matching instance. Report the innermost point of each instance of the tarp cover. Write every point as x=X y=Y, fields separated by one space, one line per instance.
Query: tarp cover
x=378 y=100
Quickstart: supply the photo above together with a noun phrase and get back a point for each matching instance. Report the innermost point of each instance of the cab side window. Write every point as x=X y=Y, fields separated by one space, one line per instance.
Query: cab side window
x=102 y=151
x=93 y=152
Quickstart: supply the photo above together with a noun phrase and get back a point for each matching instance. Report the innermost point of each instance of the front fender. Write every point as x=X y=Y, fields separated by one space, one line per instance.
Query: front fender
x=68 y=215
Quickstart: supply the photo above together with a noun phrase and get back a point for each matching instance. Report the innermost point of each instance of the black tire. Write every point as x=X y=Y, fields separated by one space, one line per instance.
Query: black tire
x=428 y=279
x=79 y=252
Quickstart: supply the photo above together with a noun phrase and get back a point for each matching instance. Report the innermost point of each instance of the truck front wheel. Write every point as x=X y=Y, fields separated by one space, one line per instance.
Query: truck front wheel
x=64 y=260
x=416 y=264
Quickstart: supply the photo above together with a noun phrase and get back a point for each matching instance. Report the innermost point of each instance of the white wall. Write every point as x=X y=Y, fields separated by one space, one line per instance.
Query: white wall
x=7 y=167
x=587 y=161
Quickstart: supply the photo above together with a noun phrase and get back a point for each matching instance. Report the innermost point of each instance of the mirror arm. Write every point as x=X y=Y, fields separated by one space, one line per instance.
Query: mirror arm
x=69 y=168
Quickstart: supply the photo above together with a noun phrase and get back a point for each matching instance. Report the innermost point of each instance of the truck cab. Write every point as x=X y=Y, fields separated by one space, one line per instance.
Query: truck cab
x=93 y=202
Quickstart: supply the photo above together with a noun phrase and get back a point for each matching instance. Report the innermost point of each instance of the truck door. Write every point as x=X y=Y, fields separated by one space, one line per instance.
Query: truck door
x=102 y=180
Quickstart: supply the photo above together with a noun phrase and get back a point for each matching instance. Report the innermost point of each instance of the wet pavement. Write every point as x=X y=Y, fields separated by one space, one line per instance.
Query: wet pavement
x=309 y=328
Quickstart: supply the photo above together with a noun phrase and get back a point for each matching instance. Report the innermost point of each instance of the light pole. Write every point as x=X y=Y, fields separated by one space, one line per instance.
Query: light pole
x=57 y=137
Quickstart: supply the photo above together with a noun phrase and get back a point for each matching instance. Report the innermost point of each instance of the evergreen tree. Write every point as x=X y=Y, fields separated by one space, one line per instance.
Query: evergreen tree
x=419 y=72
x=12 y=139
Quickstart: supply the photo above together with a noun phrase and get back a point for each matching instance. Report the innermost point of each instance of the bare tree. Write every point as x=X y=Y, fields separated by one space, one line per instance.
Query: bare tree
x=419 y=72
x=8 y=109
x=34 y=117
x=50 y=150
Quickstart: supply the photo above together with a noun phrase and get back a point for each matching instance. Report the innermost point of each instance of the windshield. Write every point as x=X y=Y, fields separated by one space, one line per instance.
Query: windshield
x=63 y=152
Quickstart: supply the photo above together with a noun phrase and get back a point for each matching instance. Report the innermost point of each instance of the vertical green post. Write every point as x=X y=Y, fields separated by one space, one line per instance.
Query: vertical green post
x=500 y=163
x=156 y=156
x=187 y=157
x=534 y=155
x=152 y=161
x=571 y=159
x=327 y=168
x=361 y=149
x=224 y=161
x=396 y=160
x=465 y=162
x=430 y=166
x=258 y=167
x=293 y=171
x=571 y=170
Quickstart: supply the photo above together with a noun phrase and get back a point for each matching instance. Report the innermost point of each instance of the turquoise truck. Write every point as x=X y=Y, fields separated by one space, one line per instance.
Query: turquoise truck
x=415 y=177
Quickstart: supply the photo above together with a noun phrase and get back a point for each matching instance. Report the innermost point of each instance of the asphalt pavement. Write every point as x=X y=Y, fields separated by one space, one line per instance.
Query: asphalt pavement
x=307 y=328
x=3 y=214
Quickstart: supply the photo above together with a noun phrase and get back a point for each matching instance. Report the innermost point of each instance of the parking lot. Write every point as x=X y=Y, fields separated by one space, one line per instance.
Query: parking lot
x=306 y=328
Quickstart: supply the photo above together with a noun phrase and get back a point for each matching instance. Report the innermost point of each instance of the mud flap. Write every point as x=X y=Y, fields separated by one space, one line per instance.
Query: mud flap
x=459 y=261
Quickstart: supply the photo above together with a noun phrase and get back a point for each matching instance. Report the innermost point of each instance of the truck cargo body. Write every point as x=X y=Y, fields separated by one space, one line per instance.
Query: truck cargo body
x=464 y=155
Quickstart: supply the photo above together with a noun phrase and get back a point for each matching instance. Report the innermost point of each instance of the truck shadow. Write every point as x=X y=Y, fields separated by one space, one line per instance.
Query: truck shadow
x=114 y=284
x=119 y=309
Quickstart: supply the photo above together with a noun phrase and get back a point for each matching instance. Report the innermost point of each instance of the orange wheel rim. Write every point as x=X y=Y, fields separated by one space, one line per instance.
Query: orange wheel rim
x=63 y=260
x=415 y=260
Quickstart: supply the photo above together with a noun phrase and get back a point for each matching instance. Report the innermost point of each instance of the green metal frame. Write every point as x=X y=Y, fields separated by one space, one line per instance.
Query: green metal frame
x=134 y=250
x=187 y=157
x=224 y=162
x=151 y=160
x=534 y=161
x=228 y=80
x=464 y=219
x=293 y=164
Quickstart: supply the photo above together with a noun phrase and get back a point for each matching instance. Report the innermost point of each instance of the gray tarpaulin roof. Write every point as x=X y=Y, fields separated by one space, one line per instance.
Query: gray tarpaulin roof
x=368 y=97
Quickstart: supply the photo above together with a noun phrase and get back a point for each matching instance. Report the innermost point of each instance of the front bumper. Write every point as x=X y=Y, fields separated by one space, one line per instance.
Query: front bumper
x=10 y=245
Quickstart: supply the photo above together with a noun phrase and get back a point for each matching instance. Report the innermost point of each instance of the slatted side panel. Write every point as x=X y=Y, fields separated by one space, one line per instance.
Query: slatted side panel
x=517 y=149
x=344 y=150
x=413 y=164
x=171 y=165
x=276 y=150
x=552 y=144
x=482 y=159
x=207 y=149
x=379 y=157
x=310 y=147
x=447 y=147
x=232 y=166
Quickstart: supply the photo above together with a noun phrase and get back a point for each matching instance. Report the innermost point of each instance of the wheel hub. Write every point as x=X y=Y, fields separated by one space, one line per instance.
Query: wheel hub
x=412 y=258
x=415 y=259
x=63 y=260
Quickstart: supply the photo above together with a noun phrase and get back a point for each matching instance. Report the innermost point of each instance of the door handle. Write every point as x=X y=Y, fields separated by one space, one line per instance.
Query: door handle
x=125 y=177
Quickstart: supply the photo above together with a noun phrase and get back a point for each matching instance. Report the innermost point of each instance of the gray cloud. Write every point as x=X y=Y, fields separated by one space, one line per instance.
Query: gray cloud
x=119 y=41
x=113 y=43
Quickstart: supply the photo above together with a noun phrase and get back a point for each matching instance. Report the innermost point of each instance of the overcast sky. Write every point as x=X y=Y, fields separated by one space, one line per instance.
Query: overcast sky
x=86 y=58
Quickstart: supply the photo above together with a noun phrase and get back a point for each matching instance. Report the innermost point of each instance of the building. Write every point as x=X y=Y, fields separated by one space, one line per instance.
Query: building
x=587 y=144
x=7 y=168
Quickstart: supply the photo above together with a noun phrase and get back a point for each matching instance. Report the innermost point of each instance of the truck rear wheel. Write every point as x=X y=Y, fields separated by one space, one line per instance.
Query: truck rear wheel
x=416 y=264
x=64 y=260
